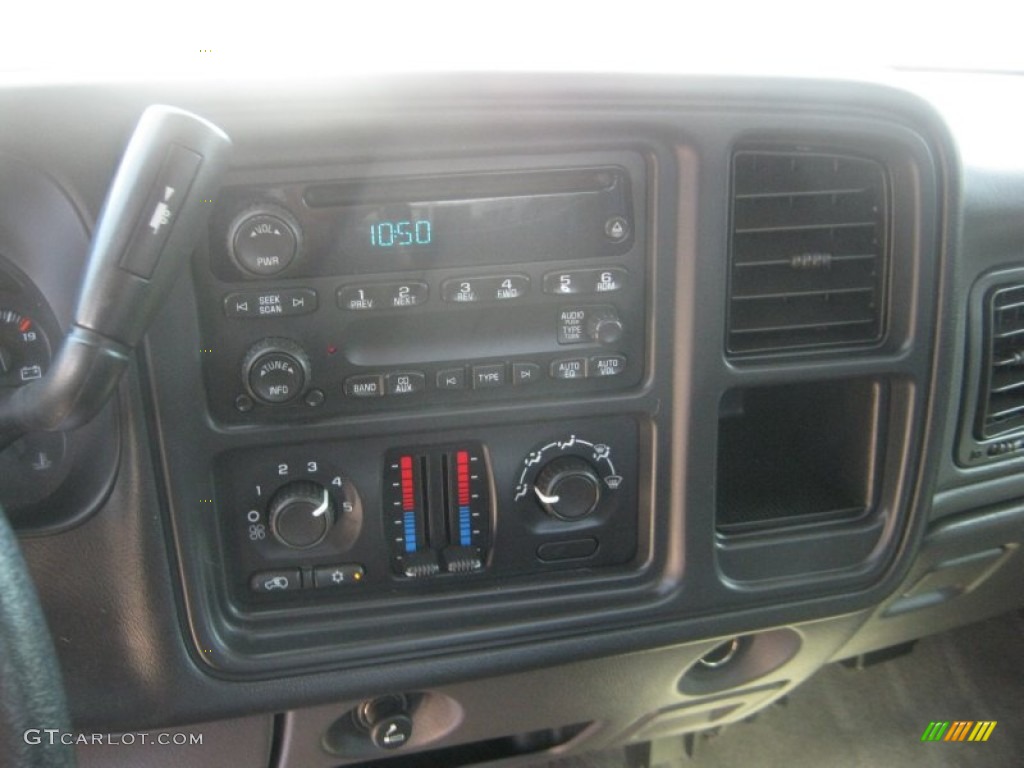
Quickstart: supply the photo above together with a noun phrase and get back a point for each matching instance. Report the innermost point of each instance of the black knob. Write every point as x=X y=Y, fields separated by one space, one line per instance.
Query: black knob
x=568 y=488
x=275 y=371
x=264 y=240
x=392 y=732
x=604 y=326
x=387 y=720
x=301 y=514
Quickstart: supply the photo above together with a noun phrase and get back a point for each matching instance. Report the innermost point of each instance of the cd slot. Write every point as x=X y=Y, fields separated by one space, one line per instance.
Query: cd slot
x=461 y=187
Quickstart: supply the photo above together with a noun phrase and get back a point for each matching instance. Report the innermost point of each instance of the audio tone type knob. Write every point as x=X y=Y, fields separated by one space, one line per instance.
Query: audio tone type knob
x=301 y=514
x=275 y=371
x=568 y=488
x=264 y=240
x=604 y=326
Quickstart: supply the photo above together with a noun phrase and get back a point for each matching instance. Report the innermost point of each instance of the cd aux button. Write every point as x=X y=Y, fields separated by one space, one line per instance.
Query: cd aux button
x=405 y=383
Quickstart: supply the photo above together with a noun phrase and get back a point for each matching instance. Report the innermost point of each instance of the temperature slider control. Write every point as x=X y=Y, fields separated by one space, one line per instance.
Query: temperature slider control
x=438 y=507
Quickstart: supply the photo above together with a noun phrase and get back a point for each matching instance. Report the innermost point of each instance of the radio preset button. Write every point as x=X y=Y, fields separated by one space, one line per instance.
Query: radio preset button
x=405 y=383
x=525 y=373
x=585 y=281
x=487 y=376
x=407 y=294
x=451 y=378
x=491 y=288
x=607 y=365
x=366 y=385
x=506 y=287
x=360 y=298
x=569 y=368
x=461 y=291
x=286 y=302
x=382 y=296
x=607 y=280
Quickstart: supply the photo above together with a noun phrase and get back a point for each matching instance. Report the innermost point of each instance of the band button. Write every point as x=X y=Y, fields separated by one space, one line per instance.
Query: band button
x=369 y=385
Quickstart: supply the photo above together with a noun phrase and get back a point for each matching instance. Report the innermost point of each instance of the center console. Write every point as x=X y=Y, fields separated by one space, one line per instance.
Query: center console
x=417 y=286
x=441 y=389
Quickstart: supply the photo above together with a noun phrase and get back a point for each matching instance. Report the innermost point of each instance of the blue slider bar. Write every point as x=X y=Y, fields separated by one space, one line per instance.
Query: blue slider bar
x=410 y=531
x=464 y=529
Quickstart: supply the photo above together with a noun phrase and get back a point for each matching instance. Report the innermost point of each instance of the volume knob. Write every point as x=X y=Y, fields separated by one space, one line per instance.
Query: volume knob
x=301 y=514
x=568 y=488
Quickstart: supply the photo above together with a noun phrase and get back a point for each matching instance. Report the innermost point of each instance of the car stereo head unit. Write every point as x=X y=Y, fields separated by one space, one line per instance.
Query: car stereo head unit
x=329 y=295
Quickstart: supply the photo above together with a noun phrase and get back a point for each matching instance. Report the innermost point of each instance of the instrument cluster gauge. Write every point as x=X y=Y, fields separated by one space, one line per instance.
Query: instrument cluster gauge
x=34 y=466
x=24 y=349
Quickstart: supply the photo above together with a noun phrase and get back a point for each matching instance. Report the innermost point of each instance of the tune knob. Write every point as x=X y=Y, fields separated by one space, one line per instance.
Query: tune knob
x=275 y=371
x=604 y=325
x=568 y=488
x=301 y=514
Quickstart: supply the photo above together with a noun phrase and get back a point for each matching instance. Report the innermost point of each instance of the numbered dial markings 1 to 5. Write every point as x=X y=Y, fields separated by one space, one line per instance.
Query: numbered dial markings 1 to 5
x=290 y=492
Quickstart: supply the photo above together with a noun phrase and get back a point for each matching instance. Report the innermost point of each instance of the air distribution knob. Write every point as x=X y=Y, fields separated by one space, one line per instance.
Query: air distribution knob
x=568 y=488
x=301 y=514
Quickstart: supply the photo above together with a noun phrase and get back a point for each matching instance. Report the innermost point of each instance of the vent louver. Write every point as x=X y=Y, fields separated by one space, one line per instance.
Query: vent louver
x=1002 y=392
x=808 y=251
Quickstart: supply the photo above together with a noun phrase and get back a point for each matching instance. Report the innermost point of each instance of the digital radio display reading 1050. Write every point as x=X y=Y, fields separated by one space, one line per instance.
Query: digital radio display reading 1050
x=391 y=234
x=427 y=222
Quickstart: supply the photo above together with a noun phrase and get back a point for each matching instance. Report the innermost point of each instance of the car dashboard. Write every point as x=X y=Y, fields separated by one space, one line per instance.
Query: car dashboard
x=502 y=417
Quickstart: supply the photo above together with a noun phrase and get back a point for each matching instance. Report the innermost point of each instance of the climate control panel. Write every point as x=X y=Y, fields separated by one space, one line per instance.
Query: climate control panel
x=356 y=518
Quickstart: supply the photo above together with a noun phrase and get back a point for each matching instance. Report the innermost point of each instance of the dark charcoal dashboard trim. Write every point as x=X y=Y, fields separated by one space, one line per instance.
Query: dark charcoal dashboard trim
x=188 y=689
x=657 y=606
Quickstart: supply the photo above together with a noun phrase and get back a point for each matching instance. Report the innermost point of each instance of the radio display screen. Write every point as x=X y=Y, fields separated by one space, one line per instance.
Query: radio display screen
x=426 y=223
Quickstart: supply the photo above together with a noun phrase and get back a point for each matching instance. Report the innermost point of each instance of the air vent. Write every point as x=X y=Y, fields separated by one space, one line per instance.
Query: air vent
x=809 y=251
x=1002 y=389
